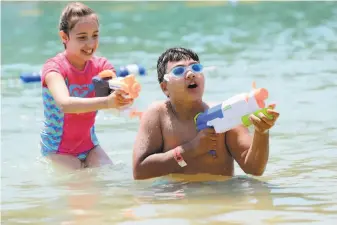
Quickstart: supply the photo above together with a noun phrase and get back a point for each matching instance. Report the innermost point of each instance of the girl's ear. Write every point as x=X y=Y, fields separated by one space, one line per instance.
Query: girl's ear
x=64 y=37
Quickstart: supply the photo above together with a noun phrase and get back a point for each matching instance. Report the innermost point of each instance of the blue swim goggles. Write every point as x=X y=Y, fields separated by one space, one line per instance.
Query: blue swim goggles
x=180 y=71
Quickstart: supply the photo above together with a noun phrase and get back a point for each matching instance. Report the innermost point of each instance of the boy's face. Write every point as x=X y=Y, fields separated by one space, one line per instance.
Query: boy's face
x=189 y=85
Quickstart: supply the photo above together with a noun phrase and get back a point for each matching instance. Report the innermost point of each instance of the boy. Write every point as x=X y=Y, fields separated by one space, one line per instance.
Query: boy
x=168 y=143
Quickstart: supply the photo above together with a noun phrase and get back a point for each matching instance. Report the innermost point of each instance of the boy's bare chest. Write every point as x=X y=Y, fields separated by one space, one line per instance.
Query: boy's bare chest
x=176 y=134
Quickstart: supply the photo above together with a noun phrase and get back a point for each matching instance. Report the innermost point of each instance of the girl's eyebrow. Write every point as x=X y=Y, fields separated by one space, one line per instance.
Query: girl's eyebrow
x=81 y=33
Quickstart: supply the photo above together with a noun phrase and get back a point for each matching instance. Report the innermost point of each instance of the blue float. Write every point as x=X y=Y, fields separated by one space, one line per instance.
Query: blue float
x=27 y=77
x=131 y=69
x=138 y=70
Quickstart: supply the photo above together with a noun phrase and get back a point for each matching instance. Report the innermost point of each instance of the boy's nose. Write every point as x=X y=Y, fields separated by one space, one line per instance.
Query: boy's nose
x=190 y=75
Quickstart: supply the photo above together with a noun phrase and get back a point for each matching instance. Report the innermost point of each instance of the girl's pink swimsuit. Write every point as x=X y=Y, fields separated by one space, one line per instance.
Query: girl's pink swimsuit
x=70 y=133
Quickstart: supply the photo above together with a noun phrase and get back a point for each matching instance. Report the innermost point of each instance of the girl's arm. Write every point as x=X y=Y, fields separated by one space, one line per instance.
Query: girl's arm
x=57 y=86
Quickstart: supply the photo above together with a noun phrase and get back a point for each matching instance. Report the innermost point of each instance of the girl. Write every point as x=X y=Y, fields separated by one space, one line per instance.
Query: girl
x=68 y=136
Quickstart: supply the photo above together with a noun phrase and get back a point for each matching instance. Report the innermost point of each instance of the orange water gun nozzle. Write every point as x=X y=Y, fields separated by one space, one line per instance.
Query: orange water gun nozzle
x=130 y=86
x=260 y=94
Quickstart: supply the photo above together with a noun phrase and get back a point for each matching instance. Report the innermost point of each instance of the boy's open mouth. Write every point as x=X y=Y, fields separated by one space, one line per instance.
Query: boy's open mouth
x=192 y=85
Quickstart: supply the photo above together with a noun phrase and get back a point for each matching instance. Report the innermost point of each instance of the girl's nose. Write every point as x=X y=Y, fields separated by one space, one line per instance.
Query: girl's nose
x=91 y=42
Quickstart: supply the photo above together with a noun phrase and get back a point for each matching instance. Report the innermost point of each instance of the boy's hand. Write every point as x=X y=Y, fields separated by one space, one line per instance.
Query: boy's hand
x=205 y=141
x=118 y=99
x=262 y=123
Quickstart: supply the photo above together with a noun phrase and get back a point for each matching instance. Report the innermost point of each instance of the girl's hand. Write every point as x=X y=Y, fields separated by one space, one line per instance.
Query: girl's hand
x=118 y=99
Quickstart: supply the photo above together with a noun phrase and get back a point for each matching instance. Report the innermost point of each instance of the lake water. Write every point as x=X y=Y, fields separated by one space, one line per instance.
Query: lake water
x=288 y=47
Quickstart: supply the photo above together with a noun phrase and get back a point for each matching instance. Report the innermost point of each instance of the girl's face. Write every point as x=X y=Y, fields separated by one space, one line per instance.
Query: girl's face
x=82 y=41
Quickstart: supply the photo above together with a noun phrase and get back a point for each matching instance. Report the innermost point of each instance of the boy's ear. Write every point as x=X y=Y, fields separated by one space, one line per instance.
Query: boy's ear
x=163 y=86
x=64 y=37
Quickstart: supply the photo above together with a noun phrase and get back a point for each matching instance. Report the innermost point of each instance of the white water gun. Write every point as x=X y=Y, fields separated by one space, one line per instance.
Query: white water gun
x=234 y=111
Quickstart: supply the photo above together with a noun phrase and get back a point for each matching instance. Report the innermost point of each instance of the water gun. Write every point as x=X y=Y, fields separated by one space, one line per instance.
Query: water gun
x=107 y=81
x=233 y=112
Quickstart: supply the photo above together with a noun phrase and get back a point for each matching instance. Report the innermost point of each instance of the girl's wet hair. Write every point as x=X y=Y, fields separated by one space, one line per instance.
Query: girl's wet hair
x=71 y=15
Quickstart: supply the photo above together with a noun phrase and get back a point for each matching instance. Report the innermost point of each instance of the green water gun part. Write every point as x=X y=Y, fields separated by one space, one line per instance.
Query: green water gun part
x=245 y=119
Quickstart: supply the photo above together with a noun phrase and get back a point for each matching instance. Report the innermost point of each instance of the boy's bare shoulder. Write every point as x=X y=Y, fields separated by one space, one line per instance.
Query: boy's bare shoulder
x=157 y=107
x=155 y=110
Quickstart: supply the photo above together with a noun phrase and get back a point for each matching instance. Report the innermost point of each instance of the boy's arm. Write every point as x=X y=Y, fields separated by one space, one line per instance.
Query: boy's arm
x=251 y=153
x=149 y=161
x=59 y=91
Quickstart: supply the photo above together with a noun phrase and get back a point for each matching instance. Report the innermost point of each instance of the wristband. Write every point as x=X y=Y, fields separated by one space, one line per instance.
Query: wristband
x=178 y=157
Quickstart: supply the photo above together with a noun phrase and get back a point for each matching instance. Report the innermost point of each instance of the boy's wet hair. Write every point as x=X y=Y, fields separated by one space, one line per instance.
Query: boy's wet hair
x=173 y=55
x=71 y=15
